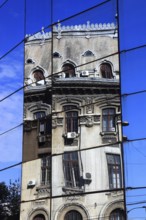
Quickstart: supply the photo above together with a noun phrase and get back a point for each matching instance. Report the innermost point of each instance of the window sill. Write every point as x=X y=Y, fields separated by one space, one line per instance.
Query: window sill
x=43 y=190
x=72 y=190
x=103 y=133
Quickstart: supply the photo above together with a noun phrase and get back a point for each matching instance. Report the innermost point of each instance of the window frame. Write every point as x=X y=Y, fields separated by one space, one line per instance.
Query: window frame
x=39 y=114
x=117 y=214
x=45 y=170
x=69 y=70
x=73 y=214
x=109 y=120
x=71 y=170
x=71 y=118
x=114 y=171
x=106 y=70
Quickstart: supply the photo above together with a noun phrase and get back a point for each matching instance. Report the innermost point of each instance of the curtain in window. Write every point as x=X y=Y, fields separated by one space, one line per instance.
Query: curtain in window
x=106 y=71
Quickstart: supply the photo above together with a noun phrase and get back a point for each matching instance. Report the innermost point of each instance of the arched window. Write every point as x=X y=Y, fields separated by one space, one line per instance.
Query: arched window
x=117 y=214
x=88 y=53
x=39 y=76
x=69 y=70
x=39 y=217
x=106 y=70
x=73 y=215
x=39 y=114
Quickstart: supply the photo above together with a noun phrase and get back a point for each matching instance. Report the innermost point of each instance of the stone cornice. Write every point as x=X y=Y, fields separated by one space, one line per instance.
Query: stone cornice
x=81 y=29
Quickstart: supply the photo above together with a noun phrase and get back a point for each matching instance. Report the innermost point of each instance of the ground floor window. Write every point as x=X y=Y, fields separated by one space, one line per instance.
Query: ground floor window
x=73 y=215
x=117 y=214
x=39 y=217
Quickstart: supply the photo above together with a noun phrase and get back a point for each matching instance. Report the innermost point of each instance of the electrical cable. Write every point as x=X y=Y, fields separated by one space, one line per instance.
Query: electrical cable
x=50 y=25
x=57 y=112
x=104 y=57
x=3 y=3
x=83 y=149
x=11 y=129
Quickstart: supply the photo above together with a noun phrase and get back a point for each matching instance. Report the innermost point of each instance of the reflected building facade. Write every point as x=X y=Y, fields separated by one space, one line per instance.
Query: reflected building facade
x=72 y=166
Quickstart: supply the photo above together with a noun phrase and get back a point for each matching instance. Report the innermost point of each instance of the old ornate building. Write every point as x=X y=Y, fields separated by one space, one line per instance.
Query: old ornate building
x=72 y=127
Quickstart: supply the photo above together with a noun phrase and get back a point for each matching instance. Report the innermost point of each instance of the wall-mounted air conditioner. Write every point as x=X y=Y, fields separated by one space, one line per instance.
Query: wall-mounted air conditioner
x=31 y=183
x=71 y=135
x=85 y=73
x=87 y=176
x=42 y=139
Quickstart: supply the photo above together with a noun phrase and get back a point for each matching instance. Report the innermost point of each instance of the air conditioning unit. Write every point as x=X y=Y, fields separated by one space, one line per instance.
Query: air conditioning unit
x=85 y=73
x=87 y=176
x=42 y=139
x=31 y=183
x=71 y=135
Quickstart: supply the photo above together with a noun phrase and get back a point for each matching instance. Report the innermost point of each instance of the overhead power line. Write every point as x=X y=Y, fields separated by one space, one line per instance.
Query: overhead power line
x=83 y=149
x=104 y=57
x=3 y=3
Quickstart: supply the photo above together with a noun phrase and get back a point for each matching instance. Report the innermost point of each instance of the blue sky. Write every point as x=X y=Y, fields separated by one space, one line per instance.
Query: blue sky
x=132 y=33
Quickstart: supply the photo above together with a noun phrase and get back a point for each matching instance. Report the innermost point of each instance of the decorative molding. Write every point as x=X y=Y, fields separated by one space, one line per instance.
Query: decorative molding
x=59 y=29
x=89 y=105
x=89 y=120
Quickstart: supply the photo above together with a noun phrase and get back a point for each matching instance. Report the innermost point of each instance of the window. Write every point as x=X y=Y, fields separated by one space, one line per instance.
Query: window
x=56 y=55
x=40 y=114
x=71 y=118
x=71 y=169
x=45 y=170
x=29 y=61
x=39 y=76
x=108 y=120
x=88 y=53
x=69 y=70
x=114 y=171
x=44 y=126
x=117 y=214
x=106 y=70
x=39 y=217
x=73 y=215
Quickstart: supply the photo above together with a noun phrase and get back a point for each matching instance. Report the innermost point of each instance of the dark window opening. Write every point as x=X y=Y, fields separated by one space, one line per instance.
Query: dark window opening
x=38 y=75
x=69 y=70
x=45 y=126
x=114 y=171
x=29 y=61
x=88 y=53
x=56 y=55
x=40 y=114
x=106 y=71
x=72 y=121
x=39 y=217
x=45 y=169
x=73 y=215
x=117 y=214
x=71 y=170
x=108 y=120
